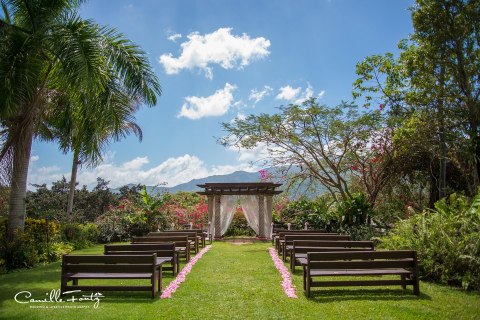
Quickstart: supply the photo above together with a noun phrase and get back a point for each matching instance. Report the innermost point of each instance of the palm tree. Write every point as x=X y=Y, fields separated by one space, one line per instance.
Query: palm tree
x=47 y=52
x=87 y=127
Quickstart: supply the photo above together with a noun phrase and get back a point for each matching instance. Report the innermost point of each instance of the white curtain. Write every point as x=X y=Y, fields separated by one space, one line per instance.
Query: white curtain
x=249 y=205
x=228 y=204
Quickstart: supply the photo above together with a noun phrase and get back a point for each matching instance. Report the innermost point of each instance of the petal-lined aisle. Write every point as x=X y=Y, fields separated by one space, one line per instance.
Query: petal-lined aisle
x=287 y=285
x=173 y=286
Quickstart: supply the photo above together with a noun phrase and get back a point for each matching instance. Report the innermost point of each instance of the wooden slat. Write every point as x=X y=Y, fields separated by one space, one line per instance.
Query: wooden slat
x=91 y=275
x=359 y=272
x=136 y=259
x=368 y=264
x=345 y=283
x=173 y=239
x=383 y=254
x=140 y=247
x=109 y=288
x=337 y=243
x=108 y=268
x=290 y=238
x=325 y=249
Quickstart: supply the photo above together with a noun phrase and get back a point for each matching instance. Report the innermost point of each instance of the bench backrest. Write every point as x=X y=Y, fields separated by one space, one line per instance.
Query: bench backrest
x=289 y=238
x=179 y=241
x=161 y=249
x=109 y=263
x=362 y=259
x=189 y=234
x=283 y=232
x=304 y=246
x=198 y=231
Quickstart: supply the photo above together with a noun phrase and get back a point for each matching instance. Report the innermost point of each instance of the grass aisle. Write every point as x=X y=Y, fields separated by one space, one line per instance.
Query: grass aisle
x=240 y=282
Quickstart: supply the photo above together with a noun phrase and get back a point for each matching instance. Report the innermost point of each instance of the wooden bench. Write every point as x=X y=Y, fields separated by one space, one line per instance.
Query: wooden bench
x=201 y=234
x=76 y=267
x=402 y=263
x=300 y=248
x=287 y=244
x=280 y=235
x=164 y=251
x=192 y=237
x=181 y=243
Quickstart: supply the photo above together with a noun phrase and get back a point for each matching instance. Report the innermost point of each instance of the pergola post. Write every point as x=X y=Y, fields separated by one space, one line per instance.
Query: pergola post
x=218 y=231
x=268 y=203
x=210 y=214
x=261 y=216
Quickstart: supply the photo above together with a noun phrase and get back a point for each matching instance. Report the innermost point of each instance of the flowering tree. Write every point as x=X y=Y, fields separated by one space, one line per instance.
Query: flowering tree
x=314 y=143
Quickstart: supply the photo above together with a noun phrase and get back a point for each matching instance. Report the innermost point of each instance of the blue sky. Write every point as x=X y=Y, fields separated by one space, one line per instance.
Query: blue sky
x=221 y=59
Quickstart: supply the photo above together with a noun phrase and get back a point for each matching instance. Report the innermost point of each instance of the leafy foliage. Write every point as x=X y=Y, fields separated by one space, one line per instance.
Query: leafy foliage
x=447 y=240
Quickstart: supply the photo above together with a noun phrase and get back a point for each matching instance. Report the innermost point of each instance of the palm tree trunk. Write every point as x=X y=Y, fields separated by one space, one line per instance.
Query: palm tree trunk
x=73 y=182
x=18 y=186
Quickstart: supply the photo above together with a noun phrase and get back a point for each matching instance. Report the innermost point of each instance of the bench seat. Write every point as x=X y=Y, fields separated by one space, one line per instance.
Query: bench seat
x=359 y=272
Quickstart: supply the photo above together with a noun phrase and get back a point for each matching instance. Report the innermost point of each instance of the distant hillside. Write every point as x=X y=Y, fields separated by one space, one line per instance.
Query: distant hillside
x=191 y=186
x=237 y=176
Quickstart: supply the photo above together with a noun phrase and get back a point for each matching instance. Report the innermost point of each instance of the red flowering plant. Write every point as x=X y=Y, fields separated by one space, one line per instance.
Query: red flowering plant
x=183 y=208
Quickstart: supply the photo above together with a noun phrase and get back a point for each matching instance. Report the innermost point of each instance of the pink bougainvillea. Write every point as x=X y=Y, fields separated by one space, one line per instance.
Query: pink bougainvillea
x=173 y=286
x=287 y=285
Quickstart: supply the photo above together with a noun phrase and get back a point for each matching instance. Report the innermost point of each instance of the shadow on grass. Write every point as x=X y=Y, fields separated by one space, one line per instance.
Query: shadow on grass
x=327 y=295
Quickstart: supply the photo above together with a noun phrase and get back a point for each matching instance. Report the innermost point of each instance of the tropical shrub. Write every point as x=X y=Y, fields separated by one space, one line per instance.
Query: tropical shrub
x=40 y=242
x=355 y=210
x=447 y=240
x=314 y=212
x=80 y=235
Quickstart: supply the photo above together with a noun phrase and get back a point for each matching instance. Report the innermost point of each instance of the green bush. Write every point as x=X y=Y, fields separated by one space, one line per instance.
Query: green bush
x=315 y=213
x=360 y=233
x=80 y=236
x=447 y=240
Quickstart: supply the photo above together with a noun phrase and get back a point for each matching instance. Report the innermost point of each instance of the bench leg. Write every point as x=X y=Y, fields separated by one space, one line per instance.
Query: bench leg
x=160 y=280
x=416 y=286
x=75 y=282
x=304 y=279
x=63 y=286
x=308 y=286
x=404 y=286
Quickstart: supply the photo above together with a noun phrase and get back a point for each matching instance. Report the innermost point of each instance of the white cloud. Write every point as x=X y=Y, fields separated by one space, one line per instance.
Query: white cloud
x=34 y=158
x=297 y=95
x=307 y=94
x=288 y=93
x=174 y=37
x=321 y=94
x=259 y=95
x=219 y=47
x=215 y=105
x=172 y=171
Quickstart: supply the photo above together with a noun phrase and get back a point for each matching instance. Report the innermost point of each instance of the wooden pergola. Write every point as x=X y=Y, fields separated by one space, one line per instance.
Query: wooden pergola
x=264 y=190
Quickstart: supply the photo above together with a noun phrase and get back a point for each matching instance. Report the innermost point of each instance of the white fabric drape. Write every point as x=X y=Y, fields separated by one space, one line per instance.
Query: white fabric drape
x=249 y=205
x=227 y=210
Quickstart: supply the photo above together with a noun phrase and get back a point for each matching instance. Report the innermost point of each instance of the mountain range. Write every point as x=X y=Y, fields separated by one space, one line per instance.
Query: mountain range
x=191 y=186
x=237 y=176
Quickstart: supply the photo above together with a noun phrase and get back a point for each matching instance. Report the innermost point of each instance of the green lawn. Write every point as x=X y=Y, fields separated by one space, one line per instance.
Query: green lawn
x=239 y=282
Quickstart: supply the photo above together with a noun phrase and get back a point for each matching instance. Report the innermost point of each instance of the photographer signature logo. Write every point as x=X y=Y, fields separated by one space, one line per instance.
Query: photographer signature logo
x=55 y=296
